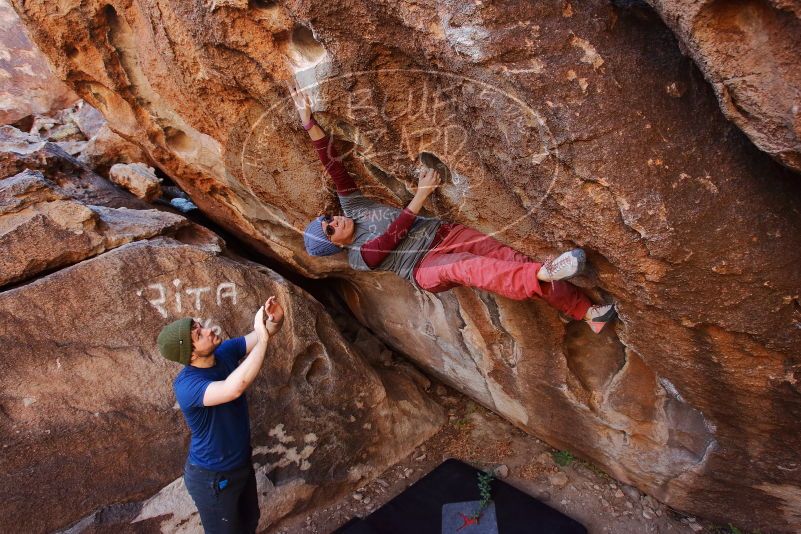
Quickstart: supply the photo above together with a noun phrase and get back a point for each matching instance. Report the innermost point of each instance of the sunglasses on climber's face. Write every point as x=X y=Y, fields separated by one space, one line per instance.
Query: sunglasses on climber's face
x=329 y=230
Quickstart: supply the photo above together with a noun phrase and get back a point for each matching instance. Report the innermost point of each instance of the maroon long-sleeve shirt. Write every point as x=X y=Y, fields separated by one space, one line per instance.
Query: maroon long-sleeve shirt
x=375 y=250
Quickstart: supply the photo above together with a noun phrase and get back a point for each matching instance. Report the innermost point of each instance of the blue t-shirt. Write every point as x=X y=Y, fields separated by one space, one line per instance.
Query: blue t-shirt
x=221 y=433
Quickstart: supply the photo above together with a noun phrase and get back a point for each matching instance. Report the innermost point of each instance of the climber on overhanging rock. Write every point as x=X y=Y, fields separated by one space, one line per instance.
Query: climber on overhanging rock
x=433 y=254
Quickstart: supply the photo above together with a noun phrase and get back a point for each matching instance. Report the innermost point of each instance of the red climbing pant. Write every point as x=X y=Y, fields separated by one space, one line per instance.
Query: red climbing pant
x=466 y=257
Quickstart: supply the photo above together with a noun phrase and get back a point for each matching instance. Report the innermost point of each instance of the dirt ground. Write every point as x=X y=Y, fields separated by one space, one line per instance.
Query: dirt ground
x=481 y=438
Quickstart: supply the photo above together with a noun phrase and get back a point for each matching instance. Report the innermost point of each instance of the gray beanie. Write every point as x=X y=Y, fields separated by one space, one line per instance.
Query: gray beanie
x=315 y=240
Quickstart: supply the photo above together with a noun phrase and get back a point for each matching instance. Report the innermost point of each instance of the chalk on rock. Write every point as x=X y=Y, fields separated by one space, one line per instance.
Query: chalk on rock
x=138 y=178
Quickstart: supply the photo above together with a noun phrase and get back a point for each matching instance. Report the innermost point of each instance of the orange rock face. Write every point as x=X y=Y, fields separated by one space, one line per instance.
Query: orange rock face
x=89 y=276
x=561 y=125
x=27 y=85
x=748 y=50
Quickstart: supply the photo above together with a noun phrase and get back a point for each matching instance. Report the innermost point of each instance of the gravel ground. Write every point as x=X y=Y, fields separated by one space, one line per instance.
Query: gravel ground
x=481 y=438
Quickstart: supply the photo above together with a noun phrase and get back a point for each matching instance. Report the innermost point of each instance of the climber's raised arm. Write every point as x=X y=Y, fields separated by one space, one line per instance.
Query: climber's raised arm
x=434 y=255
x=323 y=145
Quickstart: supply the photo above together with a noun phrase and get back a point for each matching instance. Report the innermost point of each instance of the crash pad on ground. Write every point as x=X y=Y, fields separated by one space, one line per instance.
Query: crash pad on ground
x=419 y=509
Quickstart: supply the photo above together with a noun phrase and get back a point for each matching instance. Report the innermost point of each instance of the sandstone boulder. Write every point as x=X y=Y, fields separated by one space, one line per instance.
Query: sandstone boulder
x=106 y=149
x=89 y=416
x=91 y=433
x=749 y=52
x=88 y=120
x=82 y=131
x=43 y=228
x=103 y=147
x=22 y=152
x=562 y=125
x=139 y=179
x=27 y=84
x=58 y=126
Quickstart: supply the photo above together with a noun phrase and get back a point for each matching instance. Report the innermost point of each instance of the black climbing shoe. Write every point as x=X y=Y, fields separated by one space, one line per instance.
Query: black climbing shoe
x=599 y=316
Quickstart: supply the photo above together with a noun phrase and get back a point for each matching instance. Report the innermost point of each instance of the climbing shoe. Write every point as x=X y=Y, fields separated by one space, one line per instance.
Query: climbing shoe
x=564 y=266
x=599 y=316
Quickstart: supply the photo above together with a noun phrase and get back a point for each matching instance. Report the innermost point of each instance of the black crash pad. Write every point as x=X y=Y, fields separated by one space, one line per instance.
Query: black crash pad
x=418 y=510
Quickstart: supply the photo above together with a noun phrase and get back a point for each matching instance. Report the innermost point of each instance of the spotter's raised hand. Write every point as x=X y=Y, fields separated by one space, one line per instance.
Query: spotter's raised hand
x=275 y=315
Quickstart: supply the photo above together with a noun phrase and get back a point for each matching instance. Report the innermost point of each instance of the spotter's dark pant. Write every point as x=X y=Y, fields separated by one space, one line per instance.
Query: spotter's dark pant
x=227 y=500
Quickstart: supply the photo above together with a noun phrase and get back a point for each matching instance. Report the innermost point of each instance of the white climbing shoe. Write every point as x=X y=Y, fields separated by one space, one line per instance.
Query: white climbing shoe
x=564 y=266
x=599 y=316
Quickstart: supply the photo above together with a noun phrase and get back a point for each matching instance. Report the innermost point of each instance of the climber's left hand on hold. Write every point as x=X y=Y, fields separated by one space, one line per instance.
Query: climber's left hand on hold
x=302 y=102
x=430 y=180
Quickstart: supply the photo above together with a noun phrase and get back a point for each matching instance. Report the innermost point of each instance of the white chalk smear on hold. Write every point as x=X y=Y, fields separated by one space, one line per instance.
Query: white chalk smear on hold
x=278 y=433
x=465 y=39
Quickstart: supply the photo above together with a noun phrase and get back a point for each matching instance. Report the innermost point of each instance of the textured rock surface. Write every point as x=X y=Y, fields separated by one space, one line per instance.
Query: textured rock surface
x=105 y=149
x=22 y=152
x=562 y=125
x=749 y=52
x=27 y=84
x=89 y=412
x=42 y=228
x=88 y=120
x=139 y=179
x=82 y=131
x=88 y=420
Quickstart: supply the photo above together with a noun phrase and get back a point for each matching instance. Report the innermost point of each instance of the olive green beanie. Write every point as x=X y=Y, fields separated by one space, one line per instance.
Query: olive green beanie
x=175 y=340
